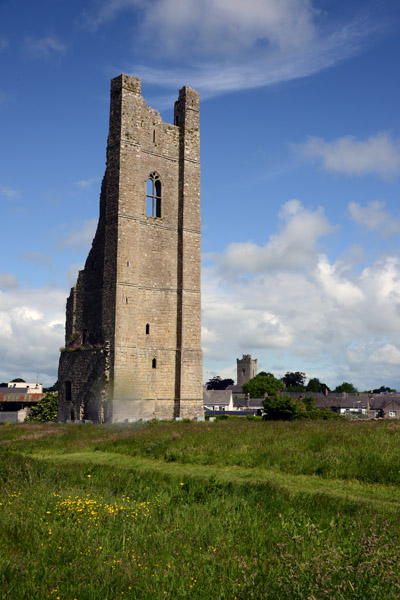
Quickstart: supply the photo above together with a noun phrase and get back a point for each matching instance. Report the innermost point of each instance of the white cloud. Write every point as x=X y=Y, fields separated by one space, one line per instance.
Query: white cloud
x=374 y=217
x=293 y=247
x=386 y=354
x=107 y=11
x=38 y=258
x=340 y=289
x=317 y=316
x=9 y=193
x=8 y=281
x=71 y=274
x=81 y=238
x=86 y=183
x=215 y=28
x=226 y=45
x=44 y=47
x=31 y=332
x=379 y=154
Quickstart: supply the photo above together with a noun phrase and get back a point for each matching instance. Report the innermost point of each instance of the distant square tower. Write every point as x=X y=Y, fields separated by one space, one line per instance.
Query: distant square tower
x=246 y=369
x=133 y=347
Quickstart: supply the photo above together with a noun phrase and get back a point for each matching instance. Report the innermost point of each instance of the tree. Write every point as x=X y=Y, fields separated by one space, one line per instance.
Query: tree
x=381 y=390
x=294 y=382
x=45 y=409
x=52 y=388
x=216 y=383
x=283 y=408
x=345 y=387
x=316 y=386
x=263 y=383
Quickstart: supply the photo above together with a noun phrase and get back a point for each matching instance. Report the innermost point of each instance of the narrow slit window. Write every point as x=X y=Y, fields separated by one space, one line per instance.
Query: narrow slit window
x=68 y=391
x=154 y=136
x=147 y=328
x=153 y=196
x=126 y=300
x=154 y=363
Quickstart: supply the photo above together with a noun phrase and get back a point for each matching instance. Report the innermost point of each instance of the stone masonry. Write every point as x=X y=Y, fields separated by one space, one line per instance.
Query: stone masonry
x=246 y=369
x=133 y=322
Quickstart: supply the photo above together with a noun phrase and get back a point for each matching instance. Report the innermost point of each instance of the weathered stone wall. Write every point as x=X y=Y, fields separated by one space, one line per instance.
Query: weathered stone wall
x=86 y=373
x=246 y=369
x=140 y=288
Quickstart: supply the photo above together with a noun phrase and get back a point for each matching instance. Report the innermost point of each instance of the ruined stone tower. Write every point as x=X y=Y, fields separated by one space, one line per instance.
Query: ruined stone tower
x=133 y=348
x=246 y=369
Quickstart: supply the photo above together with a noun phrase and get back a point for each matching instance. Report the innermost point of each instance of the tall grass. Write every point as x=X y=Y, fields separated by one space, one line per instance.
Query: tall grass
x=363 y=451
x=89 y=530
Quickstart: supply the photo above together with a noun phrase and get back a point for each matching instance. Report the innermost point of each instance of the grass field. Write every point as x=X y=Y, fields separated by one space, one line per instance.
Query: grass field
x=231 y=509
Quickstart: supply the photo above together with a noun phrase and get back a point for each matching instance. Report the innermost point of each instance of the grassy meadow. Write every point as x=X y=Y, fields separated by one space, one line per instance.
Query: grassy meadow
x=231 y=509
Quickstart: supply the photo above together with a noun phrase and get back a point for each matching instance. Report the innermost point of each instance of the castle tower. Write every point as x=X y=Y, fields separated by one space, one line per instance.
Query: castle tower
x=246 y=369
x=134 y=314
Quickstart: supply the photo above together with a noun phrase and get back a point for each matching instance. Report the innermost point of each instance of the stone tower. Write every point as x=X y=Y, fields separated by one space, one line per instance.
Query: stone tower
x=133 y=348
x=246 y=369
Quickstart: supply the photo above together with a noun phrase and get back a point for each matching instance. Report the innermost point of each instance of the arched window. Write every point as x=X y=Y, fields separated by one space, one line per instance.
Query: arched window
x=153 y=196
x=147 y=328
x=154 y=363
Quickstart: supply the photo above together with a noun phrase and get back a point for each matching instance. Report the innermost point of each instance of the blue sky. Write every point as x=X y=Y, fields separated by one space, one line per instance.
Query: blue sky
x=300 y=143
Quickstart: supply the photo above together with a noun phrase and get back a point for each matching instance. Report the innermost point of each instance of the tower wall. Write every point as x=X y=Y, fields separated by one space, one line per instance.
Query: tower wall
x=246 y=369
x=145 y=268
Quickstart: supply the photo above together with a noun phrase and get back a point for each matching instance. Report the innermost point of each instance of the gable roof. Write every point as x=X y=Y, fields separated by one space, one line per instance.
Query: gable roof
x=213 y=397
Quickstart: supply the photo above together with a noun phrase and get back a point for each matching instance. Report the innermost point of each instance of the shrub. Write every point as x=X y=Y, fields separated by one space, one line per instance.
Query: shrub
x=283 y=408
x=45 y=409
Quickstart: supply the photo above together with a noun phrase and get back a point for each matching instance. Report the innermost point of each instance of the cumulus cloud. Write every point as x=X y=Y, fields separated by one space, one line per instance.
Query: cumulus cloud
x=372 y=216
x=31 y=332
x=44 y=47
x=80 y=238
x=320 y=316
x=8 y=281
x=293 y=247
x=226 y=45
x=378 y=154
x=386 y=354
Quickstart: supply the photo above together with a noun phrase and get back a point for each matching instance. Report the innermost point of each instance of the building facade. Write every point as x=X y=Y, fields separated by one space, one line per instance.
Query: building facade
x=133 y=324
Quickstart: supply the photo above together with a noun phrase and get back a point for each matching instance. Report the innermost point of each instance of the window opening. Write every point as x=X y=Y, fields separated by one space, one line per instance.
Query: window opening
x=154 y=363
x=147 y=328
x=68 y=391
x=128 y=264
x=154 y=136
x=153 y=196
x=126 y=300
